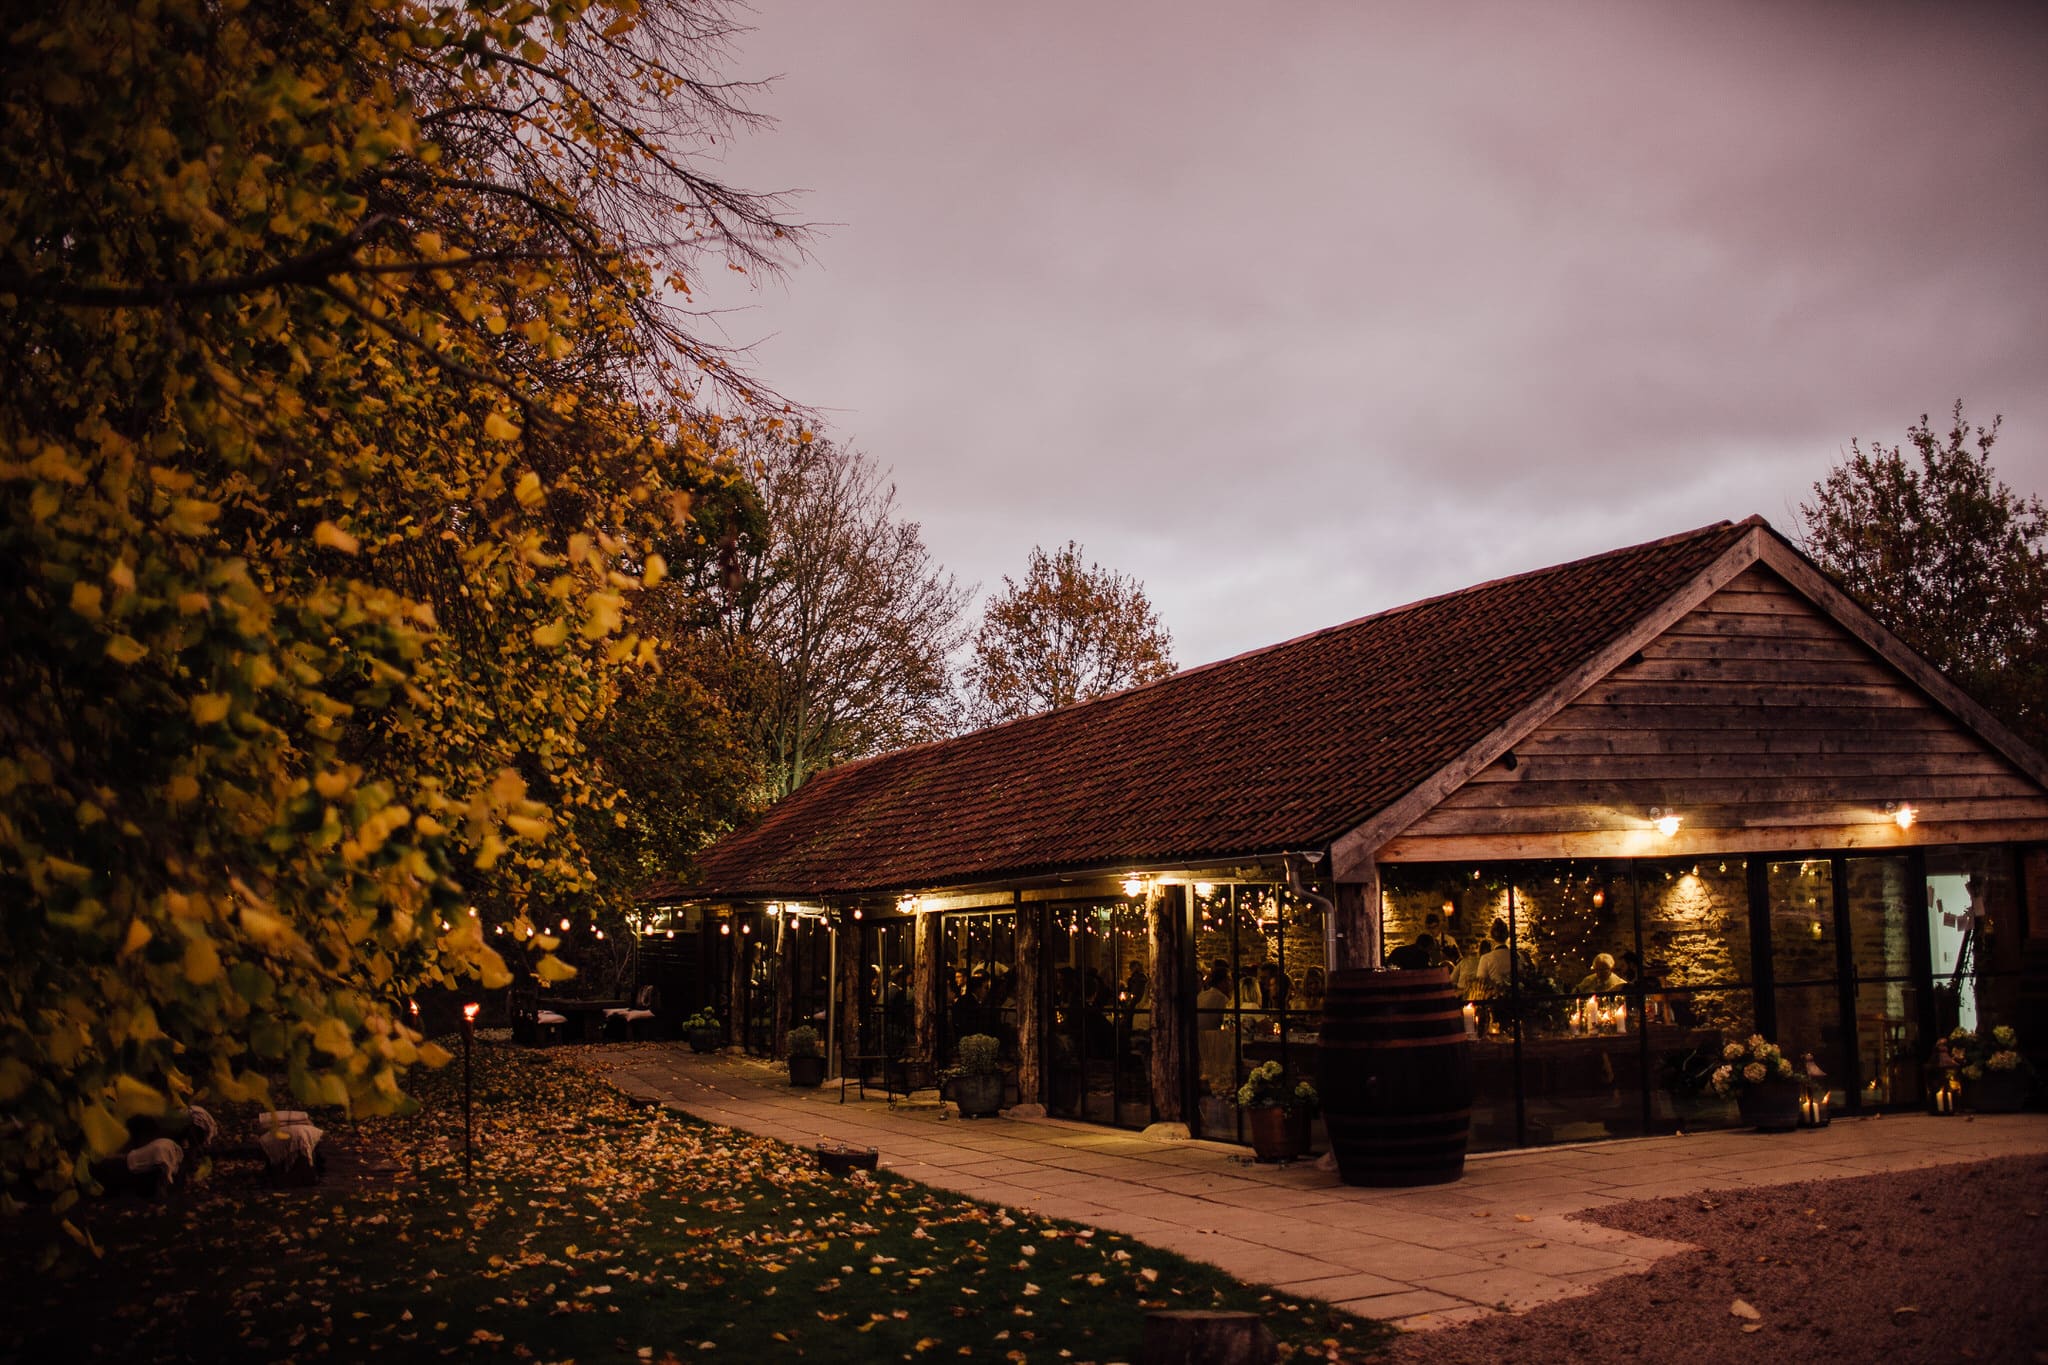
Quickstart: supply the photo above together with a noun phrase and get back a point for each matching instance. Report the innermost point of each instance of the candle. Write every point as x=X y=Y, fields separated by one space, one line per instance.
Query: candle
x=1471 y=1021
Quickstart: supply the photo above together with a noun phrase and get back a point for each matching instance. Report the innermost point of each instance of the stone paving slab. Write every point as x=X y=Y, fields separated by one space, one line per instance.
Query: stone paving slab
x=1501 y=1239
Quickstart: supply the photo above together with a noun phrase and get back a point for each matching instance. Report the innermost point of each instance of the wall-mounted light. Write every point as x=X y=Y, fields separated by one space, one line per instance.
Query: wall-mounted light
x=724 y=928
x=1902 y=814
x=671 y=933
x=1666 y=821
x=1132 y=886
x=1205 y=888
x=856 y=912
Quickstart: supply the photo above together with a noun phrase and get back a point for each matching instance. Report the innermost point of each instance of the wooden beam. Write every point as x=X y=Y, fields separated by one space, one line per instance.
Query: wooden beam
x=1473 y=848
x=1358 y=919
x=1166 y=912
x=1351 y=852
x=1030 y=1015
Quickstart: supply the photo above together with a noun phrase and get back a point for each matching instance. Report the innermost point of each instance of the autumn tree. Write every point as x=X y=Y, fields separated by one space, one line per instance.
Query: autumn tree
x=346 y=390
x=848 y=621
x=1069 y=631
x=1955 y=563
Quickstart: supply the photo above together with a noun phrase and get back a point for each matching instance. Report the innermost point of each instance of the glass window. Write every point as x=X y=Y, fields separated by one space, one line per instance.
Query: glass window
x=1973 y=927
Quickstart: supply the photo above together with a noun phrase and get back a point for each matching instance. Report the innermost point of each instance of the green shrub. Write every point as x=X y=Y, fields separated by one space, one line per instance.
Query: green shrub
x=803 y=1042
x=979 y=1055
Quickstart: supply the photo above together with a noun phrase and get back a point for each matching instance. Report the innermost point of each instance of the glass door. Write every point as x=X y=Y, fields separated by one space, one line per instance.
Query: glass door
x=1806 y=970
x=1101 y=1014
x=1883 y=986
x=1843 y=984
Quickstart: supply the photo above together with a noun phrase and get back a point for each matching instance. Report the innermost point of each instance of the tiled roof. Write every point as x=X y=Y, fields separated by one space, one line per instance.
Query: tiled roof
x=1286 y=747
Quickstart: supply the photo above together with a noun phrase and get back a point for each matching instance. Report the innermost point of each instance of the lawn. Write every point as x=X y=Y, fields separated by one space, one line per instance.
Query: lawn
x=597 y=1228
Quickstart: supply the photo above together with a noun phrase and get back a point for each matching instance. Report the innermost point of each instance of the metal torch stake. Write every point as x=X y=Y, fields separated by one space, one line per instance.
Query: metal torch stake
x=468 y=1161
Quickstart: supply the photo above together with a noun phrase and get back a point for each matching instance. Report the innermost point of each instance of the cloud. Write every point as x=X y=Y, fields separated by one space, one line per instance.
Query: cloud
x=1302 y=312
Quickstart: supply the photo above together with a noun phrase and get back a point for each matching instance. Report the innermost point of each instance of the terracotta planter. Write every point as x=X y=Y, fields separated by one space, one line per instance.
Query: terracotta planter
x=1997 y=1092
x=806 y=1072
x=1772 y=1107
x=1277 y=1134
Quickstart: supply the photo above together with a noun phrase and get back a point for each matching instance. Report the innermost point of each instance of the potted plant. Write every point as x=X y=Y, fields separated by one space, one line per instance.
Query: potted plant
x=1995 y=1077
x=704 y=1031
x=1276 y=1114
x=806 y=1058
x=976 y=1081
x=1761 y=1078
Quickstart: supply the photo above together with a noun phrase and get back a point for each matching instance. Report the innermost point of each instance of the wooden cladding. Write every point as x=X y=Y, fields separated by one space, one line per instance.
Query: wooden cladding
x=1757 y=720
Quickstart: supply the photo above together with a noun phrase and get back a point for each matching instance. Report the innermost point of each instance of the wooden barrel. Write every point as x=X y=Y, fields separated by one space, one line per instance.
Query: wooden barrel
x=1395 y=1075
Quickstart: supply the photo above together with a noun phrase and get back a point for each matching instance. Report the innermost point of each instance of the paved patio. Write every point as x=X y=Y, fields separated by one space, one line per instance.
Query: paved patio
x=1501 y=1239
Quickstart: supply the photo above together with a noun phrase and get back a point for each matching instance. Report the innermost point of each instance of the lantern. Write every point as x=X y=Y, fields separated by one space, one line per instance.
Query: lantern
x=1813 y=1109
x=1945 y=1098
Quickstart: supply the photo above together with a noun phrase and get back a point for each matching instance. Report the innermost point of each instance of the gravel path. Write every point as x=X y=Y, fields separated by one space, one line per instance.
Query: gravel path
x=1947 y=1263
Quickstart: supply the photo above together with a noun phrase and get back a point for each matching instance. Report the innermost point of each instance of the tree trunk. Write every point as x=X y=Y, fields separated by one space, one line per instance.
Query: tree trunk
x=1358 y=921
x=1030 y=1063
x=1165 y=922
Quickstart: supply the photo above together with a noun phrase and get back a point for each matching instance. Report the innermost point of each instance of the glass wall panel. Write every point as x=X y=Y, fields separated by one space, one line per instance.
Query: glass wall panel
x=887 y=956
x=977 y=994
x=1694 y=985
x=1973 y=927
x=1470 y=910
x=1581 y=1061
x=1887 y=1034
x=1101 y=1018
x=1805 y=968
x=1261 y=970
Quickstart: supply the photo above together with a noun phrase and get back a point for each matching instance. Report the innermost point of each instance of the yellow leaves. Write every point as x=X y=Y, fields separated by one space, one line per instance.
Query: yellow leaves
x=334 y=783
x=507 y=787
x=104 y=1134
x=495 y=975
x=139 y=934
x=125 y=649
x=15 y=1078
x=526 y=827
x=551 y=635
x=528 y=490
x=334 y=1037
x=488 y=852
x=132 y=1097
x=552 y=969
x=85 y=599
x=209 y=708
x=182 y=789
x=190 y=516
x=604 y=614
x=434 y=1055
x=332 y=537
x=498 y=428
x=656 y=570
x=201 y=962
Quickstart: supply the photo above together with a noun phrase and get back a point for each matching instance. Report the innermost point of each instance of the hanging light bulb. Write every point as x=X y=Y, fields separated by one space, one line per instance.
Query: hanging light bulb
x=565 y=922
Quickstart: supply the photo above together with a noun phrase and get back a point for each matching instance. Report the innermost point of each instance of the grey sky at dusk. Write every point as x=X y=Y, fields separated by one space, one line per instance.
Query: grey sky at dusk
x=1298 y=312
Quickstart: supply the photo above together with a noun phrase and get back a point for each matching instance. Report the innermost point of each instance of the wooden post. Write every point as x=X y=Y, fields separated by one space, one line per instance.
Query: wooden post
x=1166 y=914
x=924 y=980
x=736 y=985
x=785 y=976
x=1358 y=920
x=848 y=970
x=1030 y=1058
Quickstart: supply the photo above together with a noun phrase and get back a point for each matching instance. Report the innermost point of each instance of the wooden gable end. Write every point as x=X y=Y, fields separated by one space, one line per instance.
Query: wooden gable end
x=1762 y=724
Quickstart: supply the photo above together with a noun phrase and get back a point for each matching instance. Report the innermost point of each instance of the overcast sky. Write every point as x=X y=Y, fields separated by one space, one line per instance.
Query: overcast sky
x=1300 y=311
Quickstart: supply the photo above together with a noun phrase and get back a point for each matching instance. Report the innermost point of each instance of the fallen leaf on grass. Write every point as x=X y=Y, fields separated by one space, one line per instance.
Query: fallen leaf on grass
x=1743 y=1308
